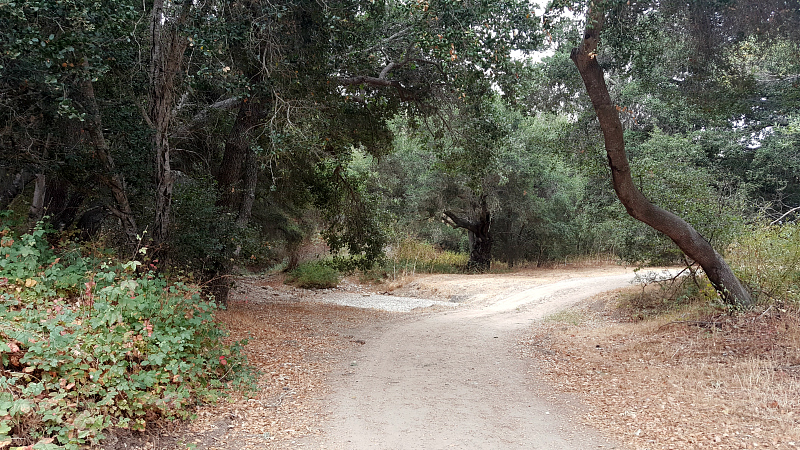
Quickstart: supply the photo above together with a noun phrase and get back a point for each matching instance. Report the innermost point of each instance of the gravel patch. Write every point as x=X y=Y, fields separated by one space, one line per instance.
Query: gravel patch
x=379 y=301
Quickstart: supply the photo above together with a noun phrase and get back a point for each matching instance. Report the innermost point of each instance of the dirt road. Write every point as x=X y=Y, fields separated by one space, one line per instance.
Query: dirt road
x=453 y=378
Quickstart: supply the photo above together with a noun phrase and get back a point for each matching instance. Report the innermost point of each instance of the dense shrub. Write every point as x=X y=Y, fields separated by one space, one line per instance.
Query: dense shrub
x=204 y=237
x=768 y=260
x=88 y=345
x=314 y=275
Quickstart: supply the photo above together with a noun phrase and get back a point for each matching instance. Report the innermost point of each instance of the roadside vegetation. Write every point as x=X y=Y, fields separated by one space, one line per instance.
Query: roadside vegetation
x=667 y=365
x=89 y=344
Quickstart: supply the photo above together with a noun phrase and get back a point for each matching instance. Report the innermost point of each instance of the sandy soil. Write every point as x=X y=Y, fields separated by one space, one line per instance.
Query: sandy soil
x=454 y=379
x=488 y=373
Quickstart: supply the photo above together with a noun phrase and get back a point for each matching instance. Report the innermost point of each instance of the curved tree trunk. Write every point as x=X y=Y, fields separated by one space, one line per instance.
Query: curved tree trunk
x=114 y=180
x=480 y=239
x=638 y=206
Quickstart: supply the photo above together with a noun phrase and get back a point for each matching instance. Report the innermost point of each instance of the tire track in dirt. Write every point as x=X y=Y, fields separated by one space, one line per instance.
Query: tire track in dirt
x=453 y=379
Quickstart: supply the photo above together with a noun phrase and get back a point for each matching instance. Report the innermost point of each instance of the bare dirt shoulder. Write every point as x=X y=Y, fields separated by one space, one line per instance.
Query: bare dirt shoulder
x=719 y=382
x=487 y=287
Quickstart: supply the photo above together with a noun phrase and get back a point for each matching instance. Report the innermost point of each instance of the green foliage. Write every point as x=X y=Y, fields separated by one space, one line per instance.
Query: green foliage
x=669 y=170
x=206 y=238
x=89 y=345
x=767 y=258
x=540 y=196
x=353 y=224
x=772 y=170
x=537 y=199
x=314 y=275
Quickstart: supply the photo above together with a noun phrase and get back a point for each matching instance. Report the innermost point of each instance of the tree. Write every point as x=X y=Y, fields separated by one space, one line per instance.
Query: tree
x=347 y=68
x=494 y=174
x=684 y=235
x=56 y=54
x=167 y=47
x=479 y=231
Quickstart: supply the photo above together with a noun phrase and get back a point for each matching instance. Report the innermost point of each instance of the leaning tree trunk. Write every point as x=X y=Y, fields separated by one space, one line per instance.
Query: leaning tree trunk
x=480 y=239
x=638 y=206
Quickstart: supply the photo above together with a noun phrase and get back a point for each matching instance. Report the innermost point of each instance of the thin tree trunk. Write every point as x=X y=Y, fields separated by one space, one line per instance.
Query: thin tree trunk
x=36 y=211
x=111 y=178
x=684 y=235
x=249 y=183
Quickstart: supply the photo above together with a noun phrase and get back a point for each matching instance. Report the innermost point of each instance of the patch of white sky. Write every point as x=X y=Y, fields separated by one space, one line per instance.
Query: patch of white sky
x=755 y=139
x=538 y=6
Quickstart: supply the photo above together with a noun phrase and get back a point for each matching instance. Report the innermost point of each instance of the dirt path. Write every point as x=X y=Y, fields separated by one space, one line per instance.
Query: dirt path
x=454 y=378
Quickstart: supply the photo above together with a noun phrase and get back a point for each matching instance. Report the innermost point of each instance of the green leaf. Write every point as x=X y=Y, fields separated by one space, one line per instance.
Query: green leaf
x=21 y=407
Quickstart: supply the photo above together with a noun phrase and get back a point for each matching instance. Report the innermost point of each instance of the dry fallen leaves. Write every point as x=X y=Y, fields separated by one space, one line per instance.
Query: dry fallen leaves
x=721 y=383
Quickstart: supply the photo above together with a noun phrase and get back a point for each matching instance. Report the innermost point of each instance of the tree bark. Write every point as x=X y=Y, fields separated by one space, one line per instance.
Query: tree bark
x=479 y=233
x=249 y=183
x=36 y=211
x=52 y=197
x=13 y=187
x=166 y=54
x=237 y=150
x=637 y=205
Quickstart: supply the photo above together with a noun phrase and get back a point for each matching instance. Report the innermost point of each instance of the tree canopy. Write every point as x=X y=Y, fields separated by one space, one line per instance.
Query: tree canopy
x=215 y=132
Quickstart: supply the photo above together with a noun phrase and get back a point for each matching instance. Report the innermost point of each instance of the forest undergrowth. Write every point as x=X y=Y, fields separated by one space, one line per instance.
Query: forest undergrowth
x=89 y=345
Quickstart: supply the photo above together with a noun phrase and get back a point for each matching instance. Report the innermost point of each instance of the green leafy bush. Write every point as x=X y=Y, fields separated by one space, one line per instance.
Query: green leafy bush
x=314 y=275
x=672 y=172
x=204 y=237
x=87 y=346
x=768 y=260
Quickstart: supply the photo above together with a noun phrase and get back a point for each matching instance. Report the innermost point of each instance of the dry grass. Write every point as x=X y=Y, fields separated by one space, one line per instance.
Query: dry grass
x=704 y=381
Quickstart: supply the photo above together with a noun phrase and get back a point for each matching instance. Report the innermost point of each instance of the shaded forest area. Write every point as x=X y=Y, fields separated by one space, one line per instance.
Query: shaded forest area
x=222 y=135
x=151 y=150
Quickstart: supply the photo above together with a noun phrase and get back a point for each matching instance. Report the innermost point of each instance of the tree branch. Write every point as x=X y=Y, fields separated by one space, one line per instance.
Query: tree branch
x=377 y=82
x=786 y=214
x=202 y=116
x=454 y=221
